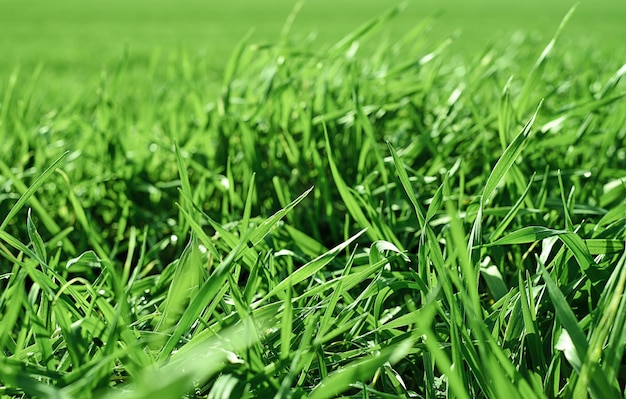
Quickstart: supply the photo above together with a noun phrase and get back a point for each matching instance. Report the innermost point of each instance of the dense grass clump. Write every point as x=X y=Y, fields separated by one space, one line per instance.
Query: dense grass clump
x=386 y=223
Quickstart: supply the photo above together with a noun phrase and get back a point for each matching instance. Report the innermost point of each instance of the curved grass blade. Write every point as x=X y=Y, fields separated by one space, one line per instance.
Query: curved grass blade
x=28 y=193
x=565 y=314
x=203 y=298
x=534 y=76
x=35 y=238
x=351 y=203
x=312 y=267
x=527 y=235
x=359 y=370
x=367 y=28
x=261 y=230
x=509 y=156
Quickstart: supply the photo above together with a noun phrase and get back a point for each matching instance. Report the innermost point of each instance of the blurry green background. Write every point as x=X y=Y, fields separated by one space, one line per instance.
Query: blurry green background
x=76 y=40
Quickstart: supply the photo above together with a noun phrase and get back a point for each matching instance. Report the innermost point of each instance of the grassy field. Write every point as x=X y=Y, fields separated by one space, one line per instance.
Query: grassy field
x=75 y=42
x=187 y=211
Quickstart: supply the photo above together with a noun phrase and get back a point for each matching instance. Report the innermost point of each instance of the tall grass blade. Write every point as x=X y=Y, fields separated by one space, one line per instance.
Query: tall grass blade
x=28 y=193
x=359 y=370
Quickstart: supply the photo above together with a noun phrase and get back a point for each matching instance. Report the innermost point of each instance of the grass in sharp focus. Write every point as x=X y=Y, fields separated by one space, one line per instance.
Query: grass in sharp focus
x=389 y=225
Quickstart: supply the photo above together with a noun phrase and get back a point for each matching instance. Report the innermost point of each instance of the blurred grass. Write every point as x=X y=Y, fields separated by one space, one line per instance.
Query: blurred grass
x=77 y=41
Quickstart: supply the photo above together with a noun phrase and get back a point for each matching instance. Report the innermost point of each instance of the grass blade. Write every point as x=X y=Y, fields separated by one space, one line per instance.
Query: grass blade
x=28 y=193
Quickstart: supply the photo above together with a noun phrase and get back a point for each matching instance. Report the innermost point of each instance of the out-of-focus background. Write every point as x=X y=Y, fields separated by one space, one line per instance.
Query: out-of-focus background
x=75 y=41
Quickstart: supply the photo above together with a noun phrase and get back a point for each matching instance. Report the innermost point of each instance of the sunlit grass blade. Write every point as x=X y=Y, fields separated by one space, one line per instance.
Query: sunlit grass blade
x=535 y=73
x=352 y=204
x=265 y=227
x=527 y=235
x=177 y=377
x=27 y=194
x=406 y=185
x=35 y=238
x=566 y=316
x=204 y=296
x=229 y=74
x=312 y=267
x=361 y=32
x=596 y=372
x=506 y=160
x=359 y=370
x=185 y=284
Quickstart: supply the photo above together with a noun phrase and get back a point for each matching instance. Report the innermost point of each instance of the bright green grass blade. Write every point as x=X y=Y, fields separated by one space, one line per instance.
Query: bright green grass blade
x=365 y=123
x=6 y=100
x=504 y=115
x=286 y=29
x=566 y=316
x=597 y=373
x=265 y=227
x=29 y=380
x=93 y=235
x=41 y=330
x=359 y=370
x=441 y=359
x=86 y=260
x=325 y=321
x=510 y=154
x=576 y=244
x=182 y=173
x=177 y=376
x=569 y=226
x=361 y=32
x=28 y=193
x=614 y=349
x=536 y=233
x=11 y=304
x=531 y=328
x=604 y=246
x=308 y=270
x=492 y=276
x=244 y=225
x=185 y=283
x=232 y=66
x=464 y=262
x=347 y=322
x=406 y=185
x=379 y=248
x=230 y=238
x=616 y=214
x=510 y=216
x=351 y=203
x=350 y=281
x=286 y=328
x=205 y=295
x=242 y=308
x=527 y=235
x=534 y=76
x=17 y=244
x=187 y=194
x=35 y=238
x=613 y=82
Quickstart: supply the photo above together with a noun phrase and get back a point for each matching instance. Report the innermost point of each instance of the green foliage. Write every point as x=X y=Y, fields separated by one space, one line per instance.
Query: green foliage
x=379 y=223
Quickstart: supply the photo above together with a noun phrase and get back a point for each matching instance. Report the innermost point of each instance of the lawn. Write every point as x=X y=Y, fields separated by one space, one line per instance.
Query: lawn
x=76 y=41
x=192 y=208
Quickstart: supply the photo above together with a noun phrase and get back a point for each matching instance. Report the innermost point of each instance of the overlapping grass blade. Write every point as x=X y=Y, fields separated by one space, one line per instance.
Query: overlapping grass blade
x=27 y=194
x=359 y=370
x=506 y=160
x=312 y=267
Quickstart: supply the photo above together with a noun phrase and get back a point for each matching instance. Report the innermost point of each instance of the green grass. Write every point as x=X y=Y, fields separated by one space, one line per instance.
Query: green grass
x=373 y=222
x=76 y=43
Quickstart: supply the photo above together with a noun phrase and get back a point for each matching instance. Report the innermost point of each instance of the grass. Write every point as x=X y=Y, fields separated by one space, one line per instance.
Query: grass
x=336 y=222
x=75 y=44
